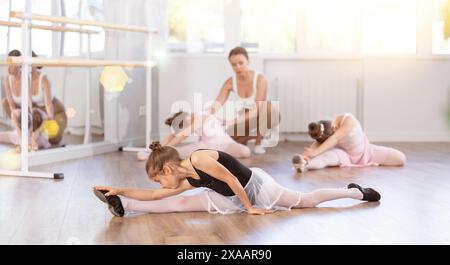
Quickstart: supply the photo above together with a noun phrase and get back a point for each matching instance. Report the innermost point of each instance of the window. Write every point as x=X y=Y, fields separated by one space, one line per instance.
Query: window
x=3 y=40
x=389 y=26
x=90 y=10
x=440 y=10
x=93 y=10
x=196 y=25
x=330 y=24
x=71 y=8
x=4 y=10
x=269 y=26
x=41 y=40
x=15 y=34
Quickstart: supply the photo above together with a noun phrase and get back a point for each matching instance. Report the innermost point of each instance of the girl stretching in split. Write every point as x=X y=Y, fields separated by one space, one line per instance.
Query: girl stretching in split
x=208 y=127
x=342 y=142
x=233 y=187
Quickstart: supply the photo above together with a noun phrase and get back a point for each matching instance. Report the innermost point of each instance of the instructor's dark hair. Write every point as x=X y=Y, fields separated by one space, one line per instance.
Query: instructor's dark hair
x=33 y=54
x=238 y=50
x=17 y=53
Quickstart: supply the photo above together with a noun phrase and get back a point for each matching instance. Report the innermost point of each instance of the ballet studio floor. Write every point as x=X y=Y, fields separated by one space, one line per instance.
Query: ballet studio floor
x=414 y=208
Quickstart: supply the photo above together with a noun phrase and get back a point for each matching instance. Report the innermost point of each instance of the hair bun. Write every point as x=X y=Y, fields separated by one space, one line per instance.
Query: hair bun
x=314 y=130
x=314 y=127
x=155 y=146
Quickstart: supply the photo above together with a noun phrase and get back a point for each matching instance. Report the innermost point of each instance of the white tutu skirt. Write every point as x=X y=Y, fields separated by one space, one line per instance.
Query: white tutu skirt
x=263 y=192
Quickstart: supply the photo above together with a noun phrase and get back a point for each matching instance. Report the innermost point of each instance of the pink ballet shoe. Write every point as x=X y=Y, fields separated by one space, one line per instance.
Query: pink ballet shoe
x=299 y=163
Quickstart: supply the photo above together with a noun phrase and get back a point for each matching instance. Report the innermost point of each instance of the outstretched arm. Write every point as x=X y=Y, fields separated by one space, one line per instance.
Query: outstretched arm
x=314 y=145
x=195 y=123
x=145 y=194
x=167 y=140
x=222 y=97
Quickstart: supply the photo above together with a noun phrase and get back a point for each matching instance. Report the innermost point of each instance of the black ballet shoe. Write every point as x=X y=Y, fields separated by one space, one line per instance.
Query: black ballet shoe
x=369 y=194
x=113 y=201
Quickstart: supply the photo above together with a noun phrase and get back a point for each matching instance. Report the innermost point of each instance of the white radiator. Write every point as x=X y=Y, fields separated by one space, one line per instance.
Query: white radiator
x=312 y=99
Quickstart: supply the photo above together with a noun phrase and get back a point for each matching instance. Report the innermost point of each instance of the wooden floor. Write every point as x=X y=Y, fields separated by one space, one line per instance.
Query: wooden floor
x=415 y=205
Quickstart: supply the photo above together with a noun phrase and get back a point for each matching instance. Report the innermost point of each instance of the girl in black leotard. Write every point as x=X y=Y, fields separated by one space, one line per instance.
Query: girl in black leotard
x=230 y=187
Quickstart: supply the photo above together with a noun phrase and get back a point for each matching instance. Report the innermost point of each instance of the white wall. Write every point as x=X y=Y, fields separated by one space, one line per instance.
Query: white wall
x=407 y=99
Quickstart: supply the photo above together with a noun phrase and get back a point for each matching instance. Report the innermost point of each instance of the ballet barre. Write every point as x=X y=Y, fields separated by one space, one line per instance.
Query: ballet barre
x=63 y=62
x=50 y=28
x=82 y=22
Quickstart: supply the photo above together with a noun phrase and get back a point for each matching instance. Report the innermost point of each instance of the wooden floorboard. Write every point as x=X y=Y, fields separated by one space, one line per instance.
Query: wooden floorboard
x=413 y=209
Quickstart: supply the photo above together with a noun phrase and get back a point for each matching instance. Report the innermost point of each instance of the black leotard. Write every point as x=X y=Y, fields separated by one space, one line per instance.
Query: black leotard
x=241 y=172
